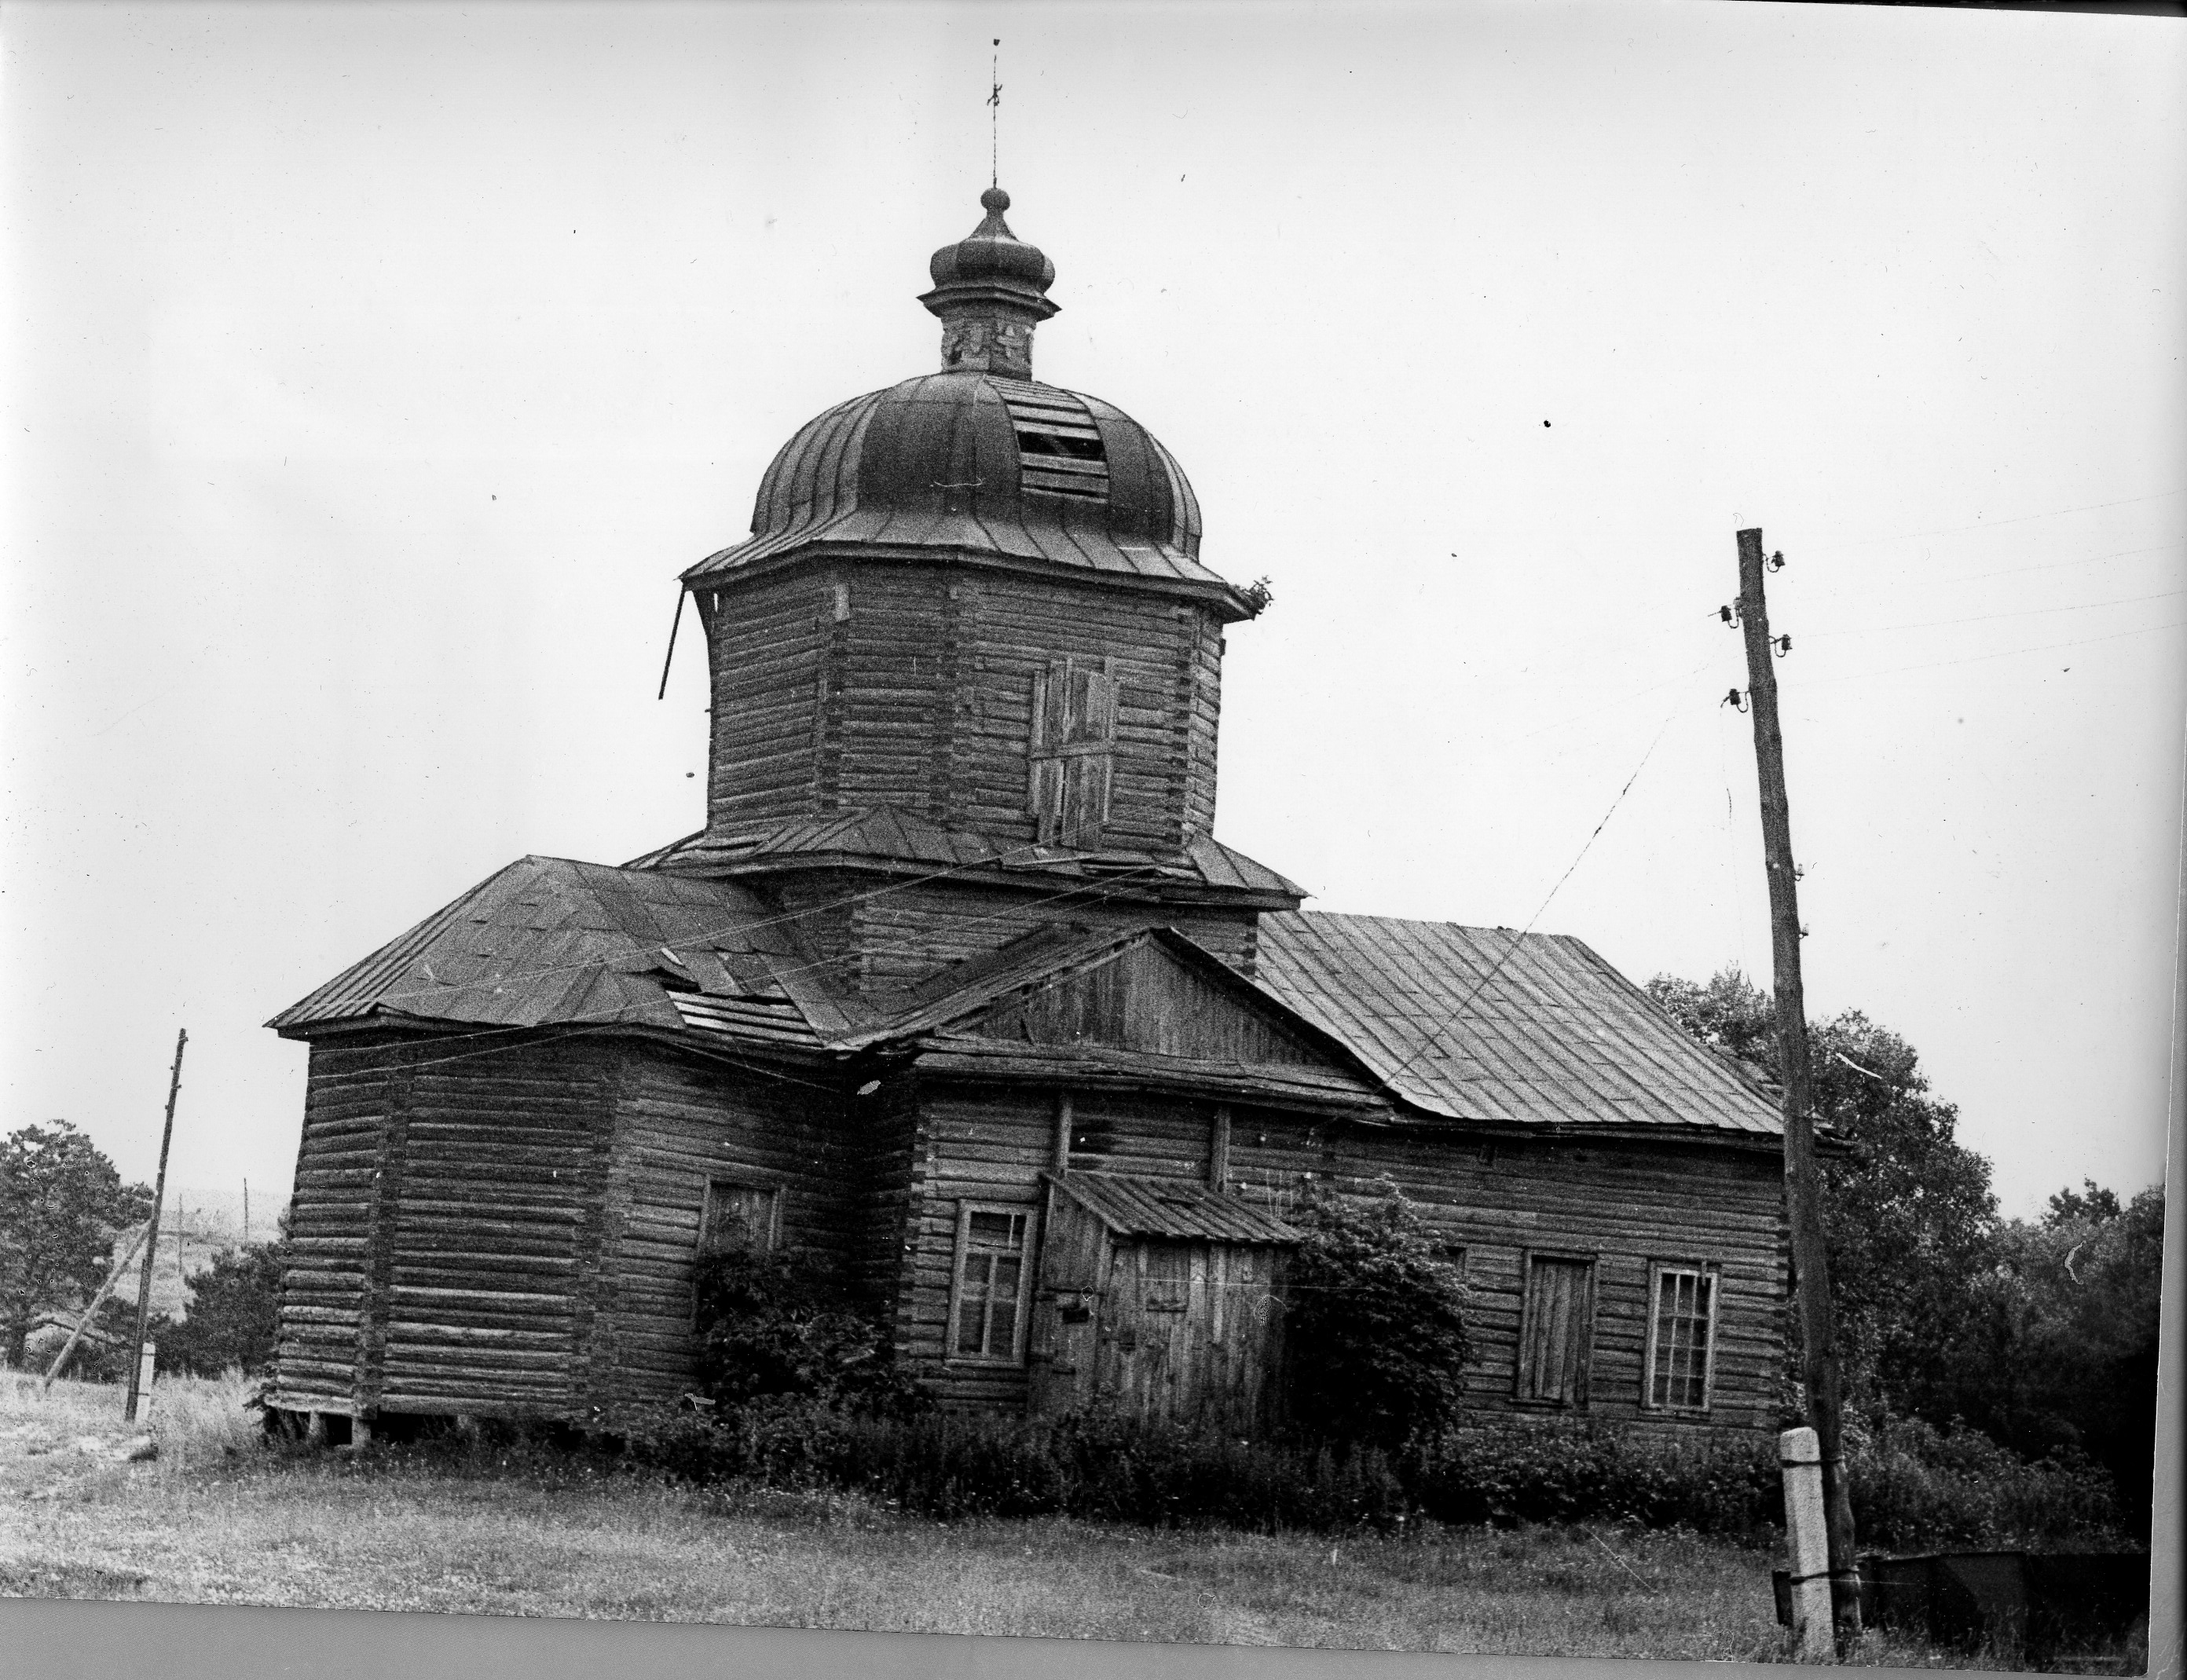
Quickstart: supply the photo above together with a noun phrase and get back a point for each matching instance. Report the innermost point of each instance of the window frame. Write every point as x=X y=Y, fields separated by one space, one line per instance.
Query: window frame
x=1583 y=1367
x=1658 y=1269
x=769 y=1188
x=961 y=1252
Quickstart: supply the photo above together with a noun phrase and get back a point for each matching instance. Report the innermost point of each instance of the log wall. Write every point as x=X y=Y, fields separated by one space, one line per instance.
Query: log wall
x=901 y=937
x=911 y=685
x=681 y=1120
x=348 y=1097
x=1624 y=1205
x=447 y=1224
x=515 y=1232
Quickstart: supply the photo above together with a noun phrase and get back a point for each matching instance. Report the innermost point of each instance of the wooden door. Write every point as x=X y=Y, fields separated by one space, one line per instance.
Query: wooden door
x=1066 y=1294
x=1556 y=1329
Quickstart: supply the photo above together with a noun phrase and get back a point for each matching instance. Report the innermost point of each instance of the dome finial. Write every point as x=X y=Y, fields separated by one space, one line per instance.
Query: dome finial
x=990 y=291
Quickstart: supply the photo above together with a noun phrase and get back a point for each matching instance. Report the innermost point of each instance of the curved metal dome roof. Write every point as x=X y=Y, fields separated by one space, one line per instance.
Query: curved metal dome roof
x=985 y=465
x=981 y=459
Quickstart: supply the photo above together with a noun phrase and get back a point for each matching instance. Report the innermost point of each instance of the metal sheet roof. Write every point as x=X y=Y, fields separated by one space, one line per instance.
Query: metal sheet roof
x=885 y=832
x=1175 y=1208
x=1483 y=1023
x=937 y=462
x=548 y=941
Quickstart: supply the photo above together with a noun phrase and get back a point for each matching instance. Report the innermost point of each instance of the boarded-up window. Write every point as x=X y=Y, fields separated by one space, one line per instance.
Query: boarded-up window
x=739 y=1218
x=1556 y=1329
x=1073 y=753
x=989 y=1310
x=1681 y=1337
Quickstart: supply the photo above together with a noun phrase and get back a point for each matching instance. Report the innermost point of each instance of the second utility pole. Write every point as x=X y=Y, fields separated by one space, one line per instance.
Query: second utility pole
x=1802 y=1187
x=152 y=1237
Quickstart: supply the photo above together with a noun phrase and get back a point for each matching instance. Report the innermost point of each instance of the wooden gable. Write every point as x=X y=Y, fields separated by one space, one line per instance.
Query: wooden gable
x=1153 y=999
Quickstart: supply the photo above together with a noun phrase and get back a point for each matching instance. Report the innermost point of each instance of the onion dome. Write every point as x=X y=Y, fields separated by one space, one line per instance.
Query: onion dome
x=990 y=291
x=980 y=460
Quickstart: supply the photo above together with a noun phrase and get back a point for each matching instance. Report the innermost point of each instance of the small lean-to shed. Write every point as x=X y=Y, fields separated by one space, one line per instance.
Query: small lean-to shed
x=1160 y=1300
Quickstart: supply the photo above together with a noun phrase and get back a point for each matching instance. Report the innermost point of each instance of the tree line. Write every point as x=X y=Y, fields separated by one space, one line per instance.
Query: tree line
x=2040 y=1333
x=66 y=1218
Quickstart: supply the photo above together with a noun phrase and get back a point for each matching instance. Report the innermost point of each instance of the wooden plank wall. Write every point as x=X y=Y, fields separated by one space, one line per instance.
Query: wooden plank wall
x=1147 y=1000
x=679 y=1121
x=1624 y=1204
x=903 y=936
x=911 y=685
x=975 y=1147
x=1189 y=1333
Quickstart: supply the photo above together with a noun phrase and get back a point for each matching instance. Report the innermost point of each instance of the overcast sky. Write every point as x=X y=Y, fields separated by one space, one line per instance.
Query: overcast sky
x=373 y=370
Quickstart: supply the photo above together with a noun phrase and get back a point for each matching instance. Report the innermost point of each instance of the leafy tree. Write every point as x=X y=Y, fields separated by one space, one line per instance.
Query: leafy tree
x=1375 y=1331
x=2059 y=1346
x=1907 y=1216
x=61 y=1204
x=2090 y=1202
x=2042 y=1334
x=229 y=1319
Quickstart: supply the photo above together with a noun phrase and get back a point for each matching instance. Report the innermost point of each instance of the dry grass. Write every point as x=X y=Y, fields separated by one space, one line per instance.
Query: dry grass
x=219 y=1518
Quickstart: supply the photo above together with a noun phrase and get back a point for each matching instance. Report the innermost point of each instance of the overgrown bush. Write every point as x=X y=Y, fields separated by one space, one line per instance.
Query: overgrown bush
x=950 y=1465
x=229 y=1321
x=1913 y=1487
x=1525 y=1470
x=1374 y=1328
x=1917 y=1487
x=776 y=1327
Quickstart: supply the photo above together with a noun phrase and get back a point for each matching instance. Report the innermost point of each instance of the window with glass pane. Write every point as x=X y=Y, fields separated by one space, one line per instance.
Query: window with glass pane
x=990 y=1282
x=1686 y=1312
x=739 y=1218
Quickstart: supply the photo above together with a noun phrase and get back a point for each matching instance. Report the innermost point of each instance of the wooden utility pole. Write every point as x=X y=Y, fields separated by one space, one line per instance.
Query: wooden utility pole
x=152 y=1236
x=1802 y=1187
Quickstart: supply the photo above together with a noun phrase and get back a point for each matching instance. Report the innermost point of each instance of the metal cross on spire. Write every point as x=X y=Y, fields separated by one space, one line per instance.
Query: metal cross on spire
x=995 y=115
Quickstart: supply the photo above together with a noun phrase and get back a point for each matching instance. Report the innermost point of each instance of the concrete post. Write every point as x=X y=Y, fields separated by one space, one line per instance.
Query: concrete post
x=143 y=1387
x=1806 y=1535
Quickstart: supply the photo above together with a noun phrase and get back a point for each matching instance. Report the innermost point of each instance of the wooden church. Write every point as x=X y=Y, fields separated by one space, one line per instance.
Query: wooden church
x=958 y=990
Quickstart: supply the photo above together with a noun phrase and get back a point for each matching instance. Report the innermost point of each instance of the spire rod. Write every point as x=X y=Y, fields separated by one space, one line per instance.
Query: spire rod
x=995 y=115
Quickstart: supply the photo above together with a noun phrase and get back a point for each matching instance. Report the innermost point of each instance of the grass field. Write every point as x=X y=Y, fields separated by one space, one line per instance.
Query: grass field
x=218 y=1518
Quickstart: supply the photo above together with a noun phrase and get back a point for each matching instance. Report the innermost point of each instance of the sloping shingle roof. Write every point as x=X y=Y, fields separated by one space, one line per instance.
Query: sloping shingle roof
x=1554 y=1035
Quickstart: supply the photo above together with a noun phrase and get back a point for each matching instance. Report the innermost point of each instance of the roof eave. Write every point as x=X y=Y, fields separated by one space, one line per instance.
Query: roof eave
x=721 y=570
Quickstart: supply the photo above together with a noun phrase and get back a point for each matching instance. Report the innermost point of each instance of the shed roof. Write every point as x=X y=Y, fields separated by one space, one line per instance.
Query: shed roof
x=1489 y=1024
x=1176 y=1208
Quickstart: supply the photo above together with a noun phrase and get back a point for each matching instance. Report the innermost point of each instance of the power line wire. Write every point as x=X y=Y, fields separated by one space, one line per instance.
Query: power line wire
x=1984 y=618
x=1467 y=1002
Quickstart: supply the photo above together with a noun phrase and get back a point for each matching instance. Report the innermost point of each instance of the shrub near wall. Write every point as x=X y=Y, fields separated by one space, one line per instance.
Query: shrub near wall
x=1914 y=1488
